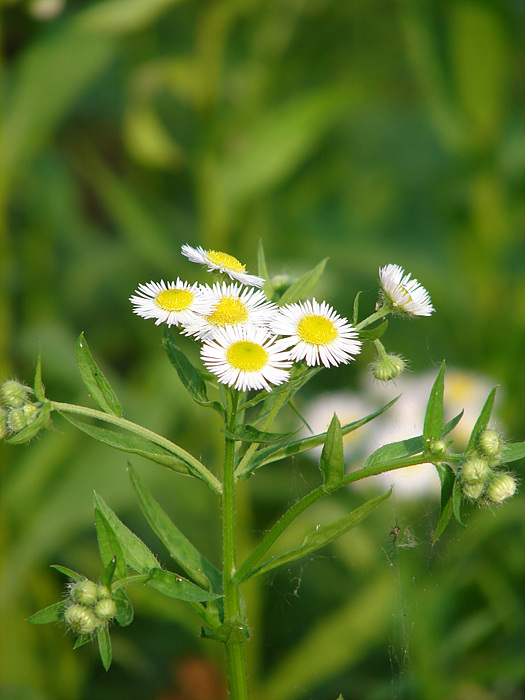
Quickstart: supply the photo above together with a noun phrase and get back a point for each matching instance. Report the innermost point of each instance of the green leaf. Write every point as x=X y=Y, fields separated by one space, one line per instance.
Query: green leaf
x=248 y=433
x=275 y=453
x=122 y=16
x=188 y=374
x=322 y=536
x=181 y=549
x=124 y=614
x=47 y=615
x=107 y=575
x=304 y=285
x=396 y=450
x=433 y=424
x=132 y=444
x=38 y=386
x=355 y=316
x=29 y=432
x=83 y=639
x=73 y=575
x=299 y=376
x=174 y=586
x=447 y=478
x=262 y=270
x=456 y=501
x=512 y=452
x=332 y=456
x=230 y=632
x=104 y=646
x=95 y=381
x=482 y=421
x=136 y=555
x=108 y=544
x=449 y=427
x=374 y=333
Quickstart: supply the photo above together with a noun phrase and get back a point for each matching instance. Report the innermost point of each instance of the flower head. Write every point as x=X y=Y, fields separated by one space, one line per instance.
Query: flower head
x=229 y=306
x=404 y=295
x=215 y=260
x=246 y=357
x=317 y=333
x=172 y=303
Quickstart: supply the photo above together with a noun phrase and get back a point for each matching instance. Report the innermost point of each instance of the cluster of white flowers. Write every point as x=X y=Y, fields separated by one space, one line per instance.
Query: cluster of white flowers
x=249 y=342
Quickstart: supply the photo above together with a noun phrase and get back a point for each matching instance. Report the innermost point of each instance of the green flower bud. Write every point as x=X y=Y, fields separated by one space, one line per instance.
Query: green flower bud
x=387 y=367
x=103 y=592
x=80 y=620
x=501 y=487
x=475 y=469
x=438 y=447
x=105 y=609
x=473 y=489
x=31 y=412
x=16 y=420
x=490 y=443
x=3 y=424
x=13 y=393
x=84 y=592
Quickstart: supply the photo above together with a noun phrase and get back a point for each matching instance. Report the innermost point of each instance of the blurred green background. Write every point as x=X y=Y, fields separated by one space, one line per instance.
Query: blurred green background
x=364 y=130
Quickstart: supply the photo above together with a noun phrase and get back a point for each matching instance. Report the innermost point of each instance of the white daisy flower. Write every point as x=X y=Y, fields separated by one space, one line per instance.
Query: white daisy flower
x=173 y=303
x=317 y=332
x=403 y=294
x=228 y=307
x=246 y=357
x=222 y=262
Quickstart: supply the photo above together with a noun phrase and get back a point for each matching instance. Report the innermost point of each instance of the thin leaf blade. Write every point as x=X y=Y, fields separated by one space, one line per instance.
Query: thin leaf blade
x=332 y=457
x=302 y=287
x=433 y=423
x=104 y=647
x=174 y=586
x=95 y=381
x=47 y=615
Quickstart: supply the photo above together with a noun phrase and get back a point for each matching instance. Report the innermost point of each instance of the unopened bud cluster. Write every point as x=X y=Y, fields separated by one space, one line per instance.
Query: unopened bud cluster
x=17 y=410
x=88 y=607
x=481 y=476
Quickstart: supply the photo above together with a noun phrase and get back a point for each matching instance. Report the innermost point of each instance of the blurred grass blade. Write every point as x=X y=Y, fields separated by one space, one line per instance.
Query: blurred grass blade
x=173 y=586
x=262 y=270
x=95 y=381
x=482 y=421
x=304 y=285
x=104 y=646
x=47 y=615
x=181 y=549
x=123 y=16
x=332 y=457
x=136 y=555
x=322 y=536
x=433 y=423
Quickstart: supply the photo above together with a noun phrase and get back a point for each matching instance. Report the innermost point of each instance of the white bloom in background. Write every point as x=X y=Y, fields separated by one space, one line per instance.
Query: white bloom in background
x=228 y=306
x=403 y=294
x=222 y=262
x=173 y=303
x=246 y=357
x=317 y=333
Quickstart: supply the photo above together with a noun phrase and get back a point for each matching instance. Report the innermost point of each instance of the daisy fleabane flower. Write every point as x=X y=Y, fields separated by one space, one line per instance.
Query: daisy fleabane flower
x=246 y=357
x=230 y=306
x=173 y=303
x=317 y=333
x=222 y=262
x=403 y=294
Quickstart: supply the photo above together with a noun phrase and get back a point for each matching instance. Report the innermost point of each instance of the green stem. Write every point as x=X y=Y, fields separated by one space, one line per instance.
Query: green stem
x=245 y=570
x=235 y=658
x=380 y=313
x=197 y=466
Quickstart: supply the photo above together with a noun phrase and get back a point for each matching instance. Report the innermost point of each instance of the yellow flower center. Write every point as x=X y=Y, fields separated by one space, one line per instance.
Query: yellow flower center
x=228 y=311
x=227 y=261
x=316 y=330
x=174 y=299
x=247 y=356
x=404 y=291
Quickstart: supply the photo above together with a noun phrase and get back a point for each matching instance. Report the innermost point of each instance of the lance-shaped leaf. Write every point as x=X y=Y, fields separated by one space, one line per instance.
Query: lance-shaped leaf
x=38 y=386
x=322 y=536
x=108 y=544
x=109 y=572
x=73 y=575
x=332 y=457
x=136 y=555
x=29 y=432
x=433 y=424
x=482 y=421
x=249 y=433
x=181 y=549
x=132 y=444
x=124 y=614
x=262 y=270
x=174 y=586
x=449 y=427
x=188 y=374
x=395 y=450
x=512 y=452
x=447 y=478
x=232 y=631
x=299 y=376
x=104 y=646
x=355 y=315
x=304 y=285
x=374 y=333
x=95 y=381
x=274 y=453
x=53 y=613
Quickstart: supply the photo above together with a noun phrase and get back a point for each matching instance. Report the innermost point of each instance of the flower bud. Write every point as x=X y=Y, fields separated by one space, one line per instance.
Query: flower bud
x=3 y=424
x=84 y=592
x=501 y=486
x=387 y=367
x=16 y=420
x=80 y=619
x=473 y=489
x=475 y=469
x=103 y=592
x=13 y=393
x=105 y=609
x=30 y=412
x=489 y=443
x=438 y=447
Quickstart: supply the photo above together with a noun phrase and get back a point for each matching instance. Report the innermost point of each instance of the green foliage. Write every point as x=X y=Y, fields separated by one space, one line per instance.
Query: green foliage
x=95 y=381
x=332 y=456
